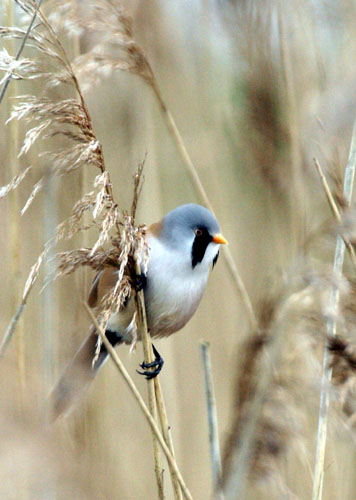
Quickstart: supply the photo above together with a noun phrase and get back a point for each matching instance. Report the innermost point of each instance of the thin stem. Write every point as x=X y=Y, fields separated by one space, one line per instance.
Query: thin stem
x=167 y=435
x=49 y=306
x=148 y=356
x=31 y=280
x=335 y=211
x=101 y=163
x=328 y=192
x=12 y=325
x=141 y=403
x=331 y=325
x=20 y=49
x=212 y=417
x=14 y=320
x=48 y=297
x=199 y=189
x=155 y=386
x=14 y=165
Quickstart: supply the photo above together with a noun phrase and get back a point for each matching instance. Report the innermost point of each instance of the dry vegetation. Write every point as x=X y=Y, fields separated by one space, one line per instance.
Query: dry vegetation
x=248 y=107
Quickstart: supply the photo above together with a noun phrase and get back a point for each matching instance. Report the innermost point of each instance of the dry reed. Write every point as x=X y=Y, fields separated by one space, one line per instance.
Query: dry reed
x=281 y=110
x=331 y=325
x=212 y=419
x=115 y=27
x=128 y=249
x=142 y=405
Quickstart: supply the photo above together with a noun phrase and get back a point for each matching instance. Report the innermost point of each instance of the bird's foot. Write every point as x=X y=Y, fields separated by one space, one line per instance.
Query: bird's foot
x=157 y=364
x=140 y=282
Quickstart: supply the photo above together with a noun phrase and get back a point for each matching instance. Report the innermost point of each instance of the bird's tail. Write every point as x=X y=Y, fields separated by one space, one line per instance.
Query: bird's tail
x=77 y=375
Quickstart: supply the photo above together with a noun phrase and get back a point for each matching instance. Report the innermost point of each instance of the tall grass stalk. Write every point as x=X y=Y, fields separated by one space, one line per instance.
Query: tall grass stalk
x=171 y=460
x=15 y=240
x=167 y=435
x=48 y=296
x=331 y=325
x=49 y=331
x=335 y=211
x=202 y=195
x=33 y=275
x=83 y=187
x=21 y=47
x=156 y=400
x=212 y=418
x=149 y=357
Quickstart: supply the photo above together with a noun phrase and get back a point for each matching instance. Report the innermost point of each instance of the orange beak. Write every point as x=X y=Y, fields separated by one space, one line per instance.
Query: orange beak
x=219 y=238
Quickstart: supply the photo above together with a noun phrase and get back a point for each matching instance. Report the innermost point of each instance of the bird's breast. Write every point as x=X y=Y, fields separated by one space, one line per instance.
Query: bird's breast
x=170 y=307
x=173 y=292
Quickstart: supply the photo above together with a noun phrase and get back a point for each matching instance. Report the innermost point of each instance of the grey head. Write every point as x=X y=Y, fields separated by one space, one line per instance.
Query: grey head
x=193 y=228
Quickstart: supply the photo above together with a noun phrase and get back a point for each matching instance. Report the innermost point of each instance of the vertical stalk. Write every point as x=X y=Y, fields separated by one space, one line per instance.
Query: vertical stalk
x=212 y=418
x=167 y=436
x=50 y=223
x=14 y=168
x=331 y=325
x=157 y=395
x=148 y=356
x=83 y=181
x=48 y=320
x=200 y=190
x=140 y=402
x=21 y=47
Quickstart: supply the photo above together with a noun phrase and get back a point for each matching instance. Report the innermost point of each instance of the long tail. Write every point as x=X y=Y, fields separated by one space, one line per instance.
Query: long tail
x=77 y=375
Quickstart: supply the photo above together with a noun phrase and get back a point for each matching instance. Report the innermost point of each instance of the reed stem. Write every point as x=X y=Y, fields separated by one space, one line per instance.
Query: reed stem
x=14 y=167
x=200 y=190
x=212 y=418
x=331 y=326
x=141 y=403
x=148 y=357
x=335 y=211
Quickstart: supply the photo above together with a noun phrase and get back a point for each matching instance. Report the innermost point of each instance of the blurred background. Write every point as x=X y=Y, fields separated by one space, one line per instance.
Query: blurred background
x=257 y=90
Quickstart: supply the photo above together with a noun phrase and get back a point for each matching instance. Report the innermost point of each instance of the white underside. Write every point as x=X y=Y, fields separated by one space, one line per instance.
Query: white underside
x=174 y=290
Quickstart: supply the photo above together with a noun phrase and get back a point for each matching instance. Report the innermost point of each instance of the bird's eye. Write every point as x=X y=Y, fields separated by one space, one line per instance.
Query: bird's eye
x=198 y=232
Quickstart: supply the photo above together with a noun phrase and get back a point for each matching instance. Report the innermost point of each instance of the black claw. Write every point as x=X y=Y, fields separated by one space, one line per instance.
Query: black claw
x=140 y=281
x=158 y=363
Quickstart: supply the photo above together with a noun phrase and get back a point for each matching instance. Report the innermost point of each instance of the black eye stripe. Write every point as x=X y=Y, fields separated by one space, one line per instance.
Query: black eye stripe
x=200 y=244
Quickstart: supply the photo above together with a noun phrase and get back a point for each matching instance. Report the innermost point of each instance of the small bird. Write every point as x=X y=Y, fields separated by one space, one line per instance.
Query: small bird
x=183 y=247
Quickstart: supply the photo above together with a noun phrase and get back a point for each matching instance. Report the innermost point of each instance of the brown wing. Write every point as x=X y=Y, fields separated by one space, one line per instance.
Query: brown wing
x=106 y=279
x=103 y=282
x=75 y=378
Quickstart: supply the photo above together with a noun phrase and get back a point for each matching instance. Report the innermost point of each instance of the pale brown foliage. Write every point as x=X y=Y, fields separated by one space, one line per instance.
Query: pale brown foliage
x=70 y=118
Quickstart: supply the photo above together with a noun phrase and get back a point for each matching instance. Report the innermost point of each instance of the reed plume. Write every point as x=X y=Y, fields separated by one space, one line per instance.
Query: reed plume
x=120 y=242
x=70 y=118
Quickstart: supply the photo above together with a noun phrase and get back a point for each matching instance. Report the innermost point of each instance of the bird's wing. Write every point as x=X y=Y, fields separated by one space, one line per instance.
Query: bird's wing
x=104 y=281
